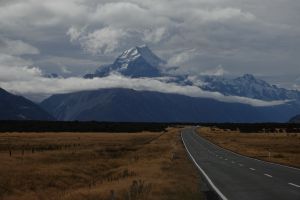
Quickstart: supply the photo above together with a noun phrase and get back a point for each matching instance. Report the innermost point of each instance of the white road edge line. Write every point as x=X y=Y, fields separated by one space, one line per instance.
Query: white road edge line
x=268 y=175
x=222 y=196
x=252 y=168
x=295 y=185
x=264 y=161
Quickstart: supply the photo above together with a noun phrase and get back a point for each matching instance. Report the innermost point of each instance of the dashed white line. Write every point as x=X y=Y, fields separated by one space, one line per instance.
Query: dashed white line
x=232 y=162
x=208 y=142
x=241 y=165
x=221 y=195
x=226 y=159
x=252 y=169
x=268 y=175
x=295 y=185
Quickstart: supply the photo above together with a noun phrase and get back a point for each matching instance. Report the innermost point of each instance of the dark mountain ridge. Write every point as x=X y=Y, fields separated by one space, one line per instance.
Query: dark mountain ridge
x=127 y=105
x=13 y=107
x=295 y=119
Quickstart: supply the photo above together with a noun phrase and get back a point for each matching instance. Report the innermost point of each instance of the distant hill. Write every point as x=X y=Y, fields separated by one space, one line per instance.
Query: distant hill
x=126 y=105
x=13 y=107
x=295 y=119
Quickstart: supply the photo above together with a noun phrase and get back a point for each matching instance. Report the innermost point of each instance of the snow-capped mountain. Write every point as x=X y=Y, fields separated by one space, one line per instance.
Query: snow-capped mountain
x=121 y=104
x=247 y=86
x=140 y=61
x=136 y=62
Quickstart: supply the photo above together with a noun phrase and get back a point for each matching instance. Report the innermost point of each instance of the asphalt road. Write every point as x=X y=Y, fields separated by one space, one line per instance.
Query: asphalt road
x=237 y=177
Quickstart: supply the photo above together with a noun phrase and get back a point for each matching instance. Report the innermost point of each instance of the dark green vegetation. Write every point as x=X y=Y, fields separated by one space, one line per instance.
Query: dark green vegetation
x=118 y=127
x=76 y=126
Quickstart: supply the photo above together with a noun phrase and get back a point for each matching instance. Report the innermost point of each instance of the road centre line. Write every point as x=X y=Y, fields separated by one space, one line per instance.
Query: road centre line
x=268 y=175
x=295 y=185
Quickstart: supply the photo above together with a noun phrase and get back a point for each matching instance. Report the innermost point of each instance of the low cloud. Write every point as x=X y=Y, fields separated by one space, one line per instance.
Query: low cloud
x=14 y=68
x=100 y=41
x=46 y=86
x=16 y=47
x=296 y=85
x=218 y=71
x=155 y=35
x=223 y=14
x=182 y=57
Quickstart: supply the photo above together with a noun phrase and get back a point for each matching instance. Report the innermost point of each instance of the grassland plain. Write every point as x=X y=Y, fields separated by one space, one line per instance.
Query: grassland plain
x=278 y=146
x=94 y=166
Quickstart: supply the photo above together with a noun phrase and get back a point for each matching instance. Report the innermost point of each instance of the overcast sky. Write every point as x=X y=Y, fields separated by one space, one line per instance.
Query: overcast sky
x=74 y=37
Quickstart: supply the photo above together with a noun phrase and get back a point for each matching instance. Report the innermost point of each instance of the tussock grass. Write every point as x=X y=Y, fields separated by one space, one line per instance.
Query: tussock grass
x=93 y=166
x=284 y=147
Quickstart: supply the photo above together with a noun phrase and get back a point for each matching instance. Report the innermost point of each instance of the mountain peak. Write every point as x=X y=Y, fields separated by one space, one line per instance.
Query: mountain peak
x=135 y=62
x=142 y=51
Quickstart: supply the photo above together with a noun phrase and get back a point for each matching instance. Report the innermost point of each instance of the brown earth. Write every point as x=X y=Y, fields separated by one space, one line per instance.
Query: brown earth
x=283 y=148
x=93 y=166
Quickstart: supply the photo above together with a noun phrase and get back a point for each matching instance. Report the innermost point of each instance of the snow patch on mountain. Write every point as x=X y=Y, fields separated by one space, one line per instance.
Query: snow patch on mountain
x=135 y=62
x=247 y=86
x=141 y=62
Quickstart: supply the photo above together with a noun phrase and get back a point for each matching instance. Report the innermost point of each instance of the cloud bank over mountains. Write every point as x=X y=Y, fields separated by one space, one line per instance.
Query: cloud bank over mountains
x=212 y=37
x=48 y=86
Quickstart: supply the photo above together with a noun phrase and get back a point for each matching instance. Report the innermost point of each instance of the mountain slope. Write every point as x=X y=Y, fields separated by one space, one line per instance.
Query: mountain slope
x=248 y=86
x=135 y=62
x=295 y=119
x=13 y=107
x=143 y=106
x=140 y=61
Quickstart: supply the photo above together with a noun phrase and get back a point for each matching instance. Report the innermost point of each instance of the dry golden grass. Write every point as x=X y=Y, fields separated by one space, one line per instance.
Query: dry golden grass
x=73 y=166
x=284 y=148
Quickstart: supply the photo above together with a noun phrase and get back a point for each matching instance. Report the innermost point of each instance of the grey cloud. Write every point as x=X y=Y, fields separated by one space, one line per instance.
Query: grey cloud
x=196 y=35
x=13 y=68
x=105 y=40
x=45 y=86
x=16 y=47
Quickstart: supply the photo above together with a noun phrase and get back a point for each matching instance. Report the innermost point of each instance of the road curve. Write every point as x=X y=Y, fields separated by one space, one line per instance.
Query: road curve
x=236 y=177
